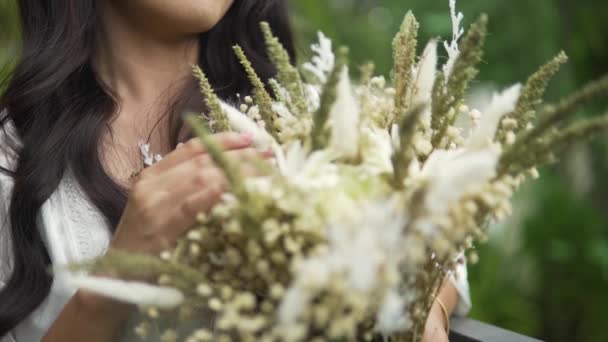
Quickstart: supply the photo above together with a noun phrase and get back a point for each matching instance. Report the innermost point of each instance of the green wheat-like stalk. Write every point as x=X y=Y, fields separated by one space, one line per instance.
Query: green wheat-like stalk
x=287 y=74
x=404 y=155
x=261 y=96
x=532 y=95
x=545 y=149
x=446 y=102
x=404 y=57
x=218 y=121
x=539 y=140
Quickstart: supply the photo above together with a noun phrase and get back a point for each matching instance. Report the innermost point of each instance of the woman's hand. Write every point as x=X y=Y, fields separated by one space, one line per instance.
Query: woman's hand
x=167 y=196
x=435 y=329
x=162 y=205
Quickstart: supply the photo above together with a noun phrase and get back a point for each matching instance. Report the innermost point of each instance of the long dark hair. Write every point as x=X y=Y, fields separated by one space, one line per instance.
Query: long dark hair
x=60 y=110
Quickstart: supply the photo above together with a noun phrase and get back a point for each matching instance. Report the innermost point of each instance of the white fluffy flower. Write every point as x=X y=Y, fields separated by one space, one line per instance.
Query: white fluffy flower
x=313 y=273
x=377 y=149
x=372 y=248
x=363 y=250
x=307 y=171
x=391 y=317
x=293 y=304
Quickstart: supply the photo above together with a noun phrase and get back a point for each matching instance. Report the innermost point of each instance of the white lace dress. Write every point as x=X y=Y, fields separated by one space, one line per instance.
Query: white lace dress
x=74 y=231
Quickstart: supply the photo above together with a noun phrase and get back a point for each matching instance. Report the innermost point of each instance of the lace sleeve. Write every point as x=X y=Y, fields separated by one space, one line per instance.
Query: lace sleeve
x=461 y=282
x=8 y=338
x=6 y=186
x=5 y=241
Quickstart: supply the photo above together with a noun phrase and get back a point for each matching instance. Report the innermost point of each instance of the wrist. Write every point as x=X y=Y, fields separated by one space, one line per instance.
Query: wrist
x=102 y=306
x=88 y=317
x=440 y=311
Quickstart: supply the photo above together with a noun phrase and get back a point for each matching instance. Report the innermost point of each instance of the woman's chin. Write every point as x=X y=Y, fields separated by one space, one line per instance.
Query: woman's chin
x=193 y=16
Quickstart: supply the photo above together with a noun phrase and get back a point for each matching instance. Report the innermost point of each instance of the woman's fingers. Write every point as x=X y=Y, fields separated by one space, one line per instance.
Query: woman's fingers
x=193 y=148
x=209 y=177
x=170 y=201
x=183 y=216
x=199 y=172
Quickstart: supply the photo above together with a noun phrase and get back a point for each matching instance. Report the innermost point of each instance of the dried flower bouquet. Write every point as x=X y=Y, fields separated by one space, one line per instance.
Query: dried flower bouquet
x=375 y=195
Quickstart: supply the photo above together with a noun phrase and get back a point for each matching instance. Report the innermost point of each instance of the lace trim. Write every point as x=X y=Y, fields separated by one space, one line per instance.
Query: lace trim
x=87 y=226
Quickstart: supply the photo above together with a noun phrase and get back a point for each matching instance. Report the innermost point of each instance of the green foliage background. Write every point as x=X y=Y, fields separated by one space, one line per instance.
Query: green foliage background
x=545 y=272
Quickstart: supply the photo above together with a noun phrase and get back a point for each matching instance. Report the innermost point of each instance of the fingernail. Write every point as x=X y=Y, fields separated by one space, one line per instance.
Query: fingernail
x=180 y=145
x=247 y=137
x=268 y=153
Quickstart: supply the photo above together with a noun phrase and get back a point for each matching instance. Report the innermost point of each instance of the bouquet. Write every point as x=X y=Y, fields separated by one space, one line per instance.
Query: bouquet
x=378 y=188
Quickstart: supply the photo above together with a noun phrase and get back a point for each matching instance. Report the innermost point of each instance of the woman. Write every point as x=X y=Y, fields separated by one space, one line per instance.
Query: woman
x=95 y=78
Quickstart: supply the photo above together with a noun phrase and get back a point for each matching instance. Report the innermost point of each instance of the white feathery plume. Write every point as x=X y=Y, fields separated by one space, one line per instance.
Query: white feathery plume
x=427 y=71
x=282 y=110
x=284 y=93
x=242 y=123
x=313 y=97
x=137 y=293
x=452 y=173
x=344 y=119
x=500 y=105
x=425 y=79
x=394 y=134
x=452 y=48
x=295 y=159
x=323 y=62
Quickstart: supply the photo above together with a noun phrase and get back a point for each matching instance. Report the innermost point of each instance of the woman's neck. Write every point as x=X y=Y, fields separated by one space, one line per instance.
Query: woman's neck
x=145 y=74
x=139 y=68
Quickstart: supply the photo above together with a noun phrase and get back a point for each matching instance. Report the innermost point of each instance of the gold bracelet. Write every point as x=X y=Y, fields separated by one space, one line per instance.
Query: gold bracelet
x=445 y=314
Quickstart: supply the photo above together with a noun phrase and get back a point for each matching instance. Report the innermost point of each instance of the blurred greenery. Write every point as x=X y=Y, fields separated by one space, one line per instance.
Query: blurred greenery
x=543 y=273
x=8 y=32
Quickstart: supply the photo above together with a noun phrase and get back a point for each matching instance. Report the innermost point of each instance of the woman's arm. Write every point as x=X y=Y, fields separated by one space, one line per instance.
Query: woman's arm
x=436 y=328
x=88 y=317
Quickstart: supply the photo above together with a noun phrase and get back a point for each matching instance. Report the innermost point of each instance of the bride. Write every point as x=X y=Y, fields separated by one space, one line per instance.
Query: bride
x=94 y=80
